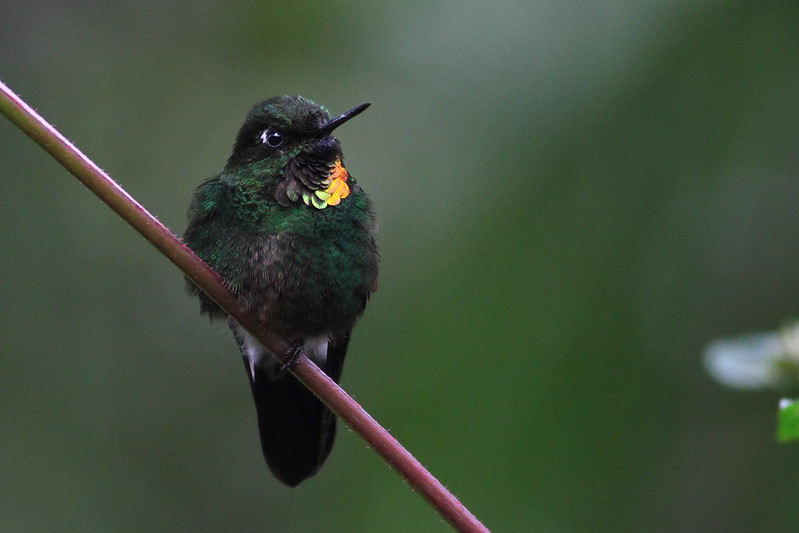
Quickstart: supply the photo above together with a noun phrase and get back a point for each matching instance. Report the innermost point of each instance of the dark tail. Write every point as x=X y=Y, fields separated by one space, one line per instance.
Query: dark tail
x=297 y=430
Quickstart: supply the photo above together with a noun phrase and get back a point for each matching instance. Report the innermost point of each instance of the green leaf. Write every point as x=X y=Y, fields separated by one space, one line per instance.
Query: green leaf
x=788 y=420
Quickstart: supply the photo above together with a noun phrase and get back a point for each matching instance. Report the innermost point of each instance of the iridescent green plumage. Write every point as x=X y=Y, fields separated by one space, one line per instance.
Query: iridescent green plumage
x=305 y=268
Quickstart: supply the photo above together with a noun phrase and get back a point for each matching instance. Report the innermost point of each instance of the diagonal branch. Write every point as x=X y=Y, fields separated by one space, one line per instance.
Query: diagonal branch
x=94 y=178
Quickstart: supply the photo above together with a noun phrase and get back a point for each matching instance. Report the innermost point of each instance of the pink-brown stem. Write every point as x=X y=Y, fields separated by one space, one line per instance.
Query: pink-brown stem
x=341 y=403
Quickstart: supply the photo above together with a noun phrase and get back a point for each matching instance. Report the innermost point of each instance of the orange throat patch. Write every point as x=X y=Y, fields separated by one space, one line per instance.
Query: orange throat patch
x=338 y=189
x=334 y=193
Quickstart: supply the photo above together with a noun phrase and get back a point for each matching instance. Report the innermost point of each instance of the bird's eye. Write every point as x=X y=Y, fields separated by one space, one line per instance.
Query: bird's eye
x=271 y=138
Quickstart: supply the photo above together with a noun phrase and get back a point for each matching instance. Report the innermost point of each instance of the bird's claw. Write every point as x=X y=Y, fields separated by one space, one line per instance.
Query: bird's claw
x=293 y=353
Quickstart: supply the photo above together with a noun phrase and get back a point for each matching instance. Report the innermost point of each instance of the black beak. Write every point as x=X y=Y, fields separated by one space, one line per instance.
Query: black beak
x=330 y=125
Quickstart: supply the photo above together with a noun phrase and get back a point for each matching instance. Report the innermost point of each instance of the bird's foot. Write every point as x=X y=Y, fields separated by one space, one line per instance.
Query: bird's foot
x=292 y=355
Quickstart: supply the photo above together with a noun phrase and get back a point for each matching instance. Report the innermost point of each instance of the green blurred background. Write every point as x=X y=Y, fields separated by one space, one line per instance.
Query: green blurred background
x=574 y=197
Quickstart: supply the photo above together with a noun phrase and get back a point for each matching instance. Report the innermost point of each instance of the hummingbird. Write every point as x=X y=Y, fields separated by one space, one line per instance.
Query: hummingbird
x=292 y=233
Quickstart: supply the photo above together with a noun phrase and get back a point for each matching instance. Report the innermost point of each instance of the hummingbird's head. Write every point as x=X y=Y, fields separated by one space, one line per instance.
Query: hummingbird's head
x=289 y=141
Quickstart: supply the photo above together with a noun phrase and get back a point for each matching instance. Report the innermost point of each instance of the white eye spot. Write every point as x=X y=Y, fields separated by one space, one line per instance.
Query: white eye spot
x=271 y=138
